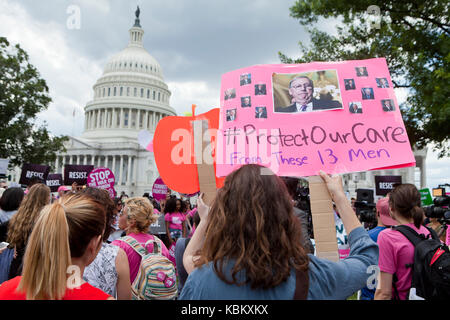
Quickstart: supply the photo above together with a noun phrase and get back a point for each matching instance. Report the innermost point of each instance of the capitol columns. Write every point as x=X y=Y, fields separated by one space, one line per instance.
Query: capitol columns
x=138 y=119
x=129 y=171
x=114 y=118
x=114 y=165
x=98 y=118
x=121 y=170
x=57 y=164
x=135 y=171
x=145 y=120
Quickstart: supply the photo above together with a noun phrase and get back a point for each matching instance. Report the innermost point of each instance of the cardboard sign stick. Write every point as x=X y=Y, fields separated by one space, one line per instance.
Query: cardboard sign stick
x=206 y=173
x=323 y=219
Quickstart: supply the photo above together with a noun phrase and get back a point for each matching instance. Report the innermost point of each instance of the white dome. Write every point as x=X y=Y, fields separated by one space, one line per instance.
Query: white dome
x=134 y=59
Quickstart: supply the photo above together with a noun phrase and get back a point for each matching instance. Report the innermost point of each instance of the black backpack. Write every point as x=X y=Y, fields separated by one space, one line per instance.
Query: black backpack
x=431 y=266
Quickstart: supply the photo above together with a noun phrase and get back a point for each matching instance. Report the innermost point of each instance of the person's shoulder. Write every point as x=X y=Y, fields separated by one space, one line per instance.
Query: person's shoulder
x=285 y=109
x=391 y=236
x=120 y=243
x=86 y=292
x=325 y=104
x=8 y=290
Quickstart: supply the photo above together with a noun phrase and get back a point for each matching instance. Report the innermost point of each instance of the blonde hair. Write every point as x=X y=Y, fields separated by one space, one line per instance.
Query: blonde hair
x=63 y=230
x=22 y=222
x=141 y=209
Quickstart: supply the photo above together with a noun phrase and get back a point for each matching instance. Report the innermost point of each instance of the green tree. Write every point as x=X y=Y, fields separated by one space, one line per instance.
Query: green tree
x=412 y=35
x=23 y=94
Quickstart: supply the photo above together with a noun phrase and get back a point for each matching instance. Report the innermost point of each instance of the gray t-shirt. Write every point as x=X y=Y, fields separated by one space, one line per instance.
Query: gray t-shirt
x=327 y=280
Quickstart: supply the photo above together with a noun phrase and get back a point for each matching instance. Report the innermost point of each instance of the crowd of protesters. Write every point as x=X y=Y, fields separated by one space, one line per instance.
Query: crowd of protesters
x=254 y=242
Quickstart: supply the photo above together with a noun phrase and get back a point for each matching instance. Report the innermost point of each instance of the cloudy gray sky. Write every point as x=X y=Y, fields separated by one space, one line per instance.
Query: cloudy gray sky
x=194 y=41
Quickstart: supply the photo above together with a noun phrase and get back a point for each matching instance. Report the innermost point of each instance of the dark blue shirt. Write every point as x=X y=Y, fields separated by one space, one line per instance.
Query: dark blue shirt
x=366 y=293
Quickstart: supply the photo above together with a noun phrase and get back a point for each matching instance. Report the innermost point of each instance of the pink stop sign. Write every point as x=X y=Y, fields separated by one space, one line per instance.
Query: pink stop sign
x=102 y=178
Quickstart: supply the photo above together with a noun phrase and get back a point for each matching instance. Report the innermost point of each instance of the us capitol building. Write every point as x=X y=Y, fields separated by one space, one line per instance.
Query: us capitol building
x=130 y=96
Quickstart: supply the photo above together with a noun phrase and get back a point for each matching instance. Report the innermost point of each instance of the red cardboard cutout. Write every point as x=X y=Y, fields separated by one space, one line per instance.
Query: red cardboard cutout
x=173 y=146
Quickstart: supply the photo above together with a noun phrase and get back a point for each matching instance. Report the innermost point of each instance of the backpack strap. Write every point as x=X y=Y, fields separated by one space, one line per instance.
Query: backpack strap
x=410 y=234
x=157 y=248
x=301 y=285
x=133 y=243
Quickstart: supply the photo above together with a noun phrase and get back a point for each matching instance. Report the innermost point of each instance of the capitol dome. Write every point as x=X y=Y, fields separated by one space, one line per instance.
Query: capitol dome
x=134 y=59
x=131 y=94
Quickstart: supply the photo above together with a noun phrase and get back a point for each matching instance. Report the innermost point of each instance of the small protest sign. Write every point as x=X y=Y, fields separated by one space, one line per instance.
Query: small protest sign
x=159 y=227
x=31 y=171
x=54 y=181
x=385 y=184
x=425 y=197
x=76 y=173
x=102 y=178
x=342 y=238
x=159 y=190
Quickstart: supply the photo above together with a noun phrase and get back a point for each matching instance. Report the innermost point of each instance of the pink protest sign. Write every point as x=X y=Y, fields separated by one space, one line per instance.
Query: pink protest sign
x=102 y=178
x=297 y=119
x=159 y=189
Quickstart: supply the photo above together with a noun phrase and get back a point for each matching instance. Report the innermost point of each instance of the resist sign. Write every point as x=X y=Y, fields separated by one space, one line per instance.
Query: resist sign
x=102 y=178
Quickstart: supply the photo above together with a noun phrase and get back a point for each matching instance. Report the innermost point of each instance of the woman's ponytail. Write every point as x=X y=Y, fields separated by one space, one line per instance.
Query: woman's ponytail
x=47 y=256
x=405 y=200
x=417 y=215
x=63 y=231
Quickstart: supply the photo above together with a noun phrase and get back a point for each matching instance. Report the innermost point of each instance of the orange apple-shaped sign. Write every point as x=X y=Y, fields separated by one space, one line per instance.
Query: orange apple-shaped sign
x=173 y=147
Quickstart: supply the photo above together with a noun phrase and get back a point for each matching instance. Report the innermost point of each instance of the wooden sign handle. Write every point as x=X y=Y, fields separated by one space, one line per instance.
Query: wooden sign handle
x=203 y=157
x=323 y=219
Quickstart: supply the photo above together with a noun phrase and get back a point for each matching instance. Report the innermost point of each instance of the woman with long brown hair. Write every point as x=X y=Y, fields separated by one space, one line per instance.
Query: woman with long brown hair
x=247 y=245
x=65 y=239
x=22 y=224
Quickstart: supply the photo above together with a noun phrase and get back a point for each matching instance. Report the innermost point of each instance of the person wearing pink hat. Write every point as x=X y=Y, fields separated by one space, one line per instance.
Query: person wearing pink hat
x=62 y=190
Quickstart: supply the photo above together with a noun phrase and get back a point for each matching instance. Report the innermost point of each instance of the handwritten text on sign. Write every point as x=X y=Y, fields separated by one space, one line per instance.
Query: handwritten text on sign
x=297 y=119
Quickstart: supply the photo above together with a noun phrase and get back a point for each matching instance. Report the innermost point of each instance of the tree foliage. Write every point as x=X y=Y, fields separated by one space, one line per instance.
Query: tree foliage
x=23 y=94
x=412 y=35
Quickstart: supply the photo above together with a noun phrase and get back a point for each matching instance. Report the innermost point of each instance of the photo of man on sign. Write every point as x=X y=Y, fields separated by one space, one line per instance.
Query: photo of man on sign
x=306 y=92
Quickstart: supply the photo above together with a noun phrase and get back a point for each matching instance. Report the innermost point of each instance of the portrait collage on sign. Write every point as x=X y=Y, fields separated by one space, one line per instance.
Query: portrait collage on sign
x=306 y=92
x=367 y=93
x=257 y=89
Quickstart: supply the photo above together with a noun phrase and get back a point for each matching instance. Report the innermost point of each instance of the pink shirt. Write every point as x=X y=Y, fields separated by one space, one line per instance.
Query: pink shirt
x=175 y=220
x=134 y=259
x=395 y=252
